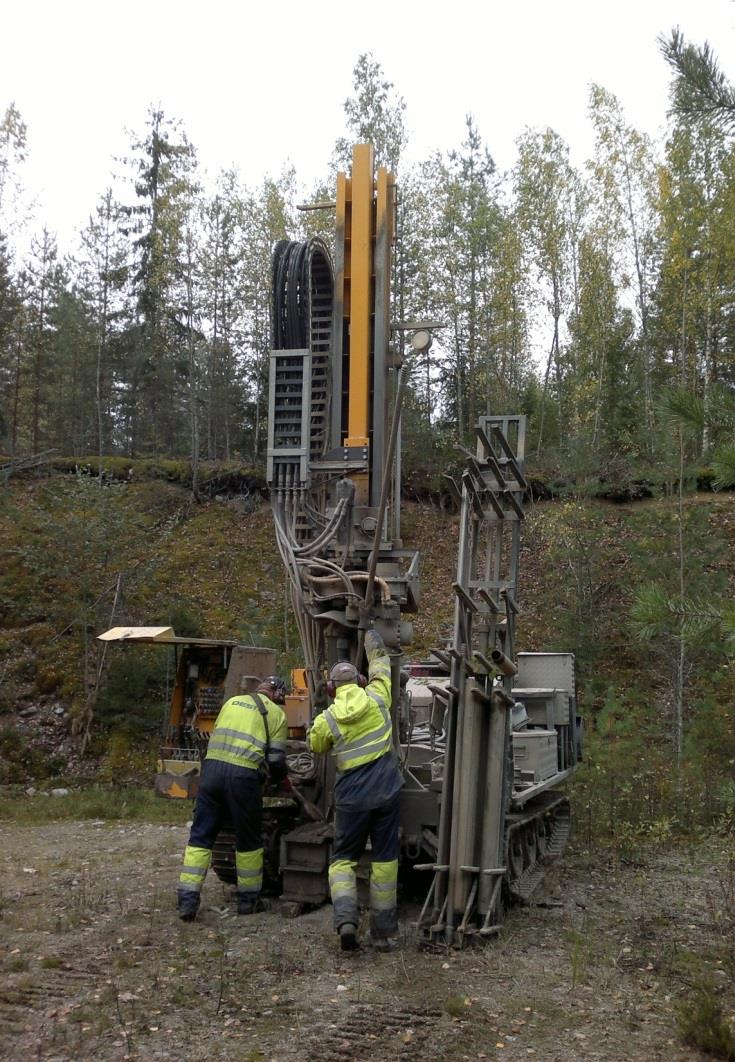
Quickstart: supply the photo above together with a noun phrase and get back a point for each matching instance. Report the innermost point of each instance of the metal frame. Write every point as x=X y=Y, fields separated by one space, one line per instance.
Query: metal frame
x=464 y=893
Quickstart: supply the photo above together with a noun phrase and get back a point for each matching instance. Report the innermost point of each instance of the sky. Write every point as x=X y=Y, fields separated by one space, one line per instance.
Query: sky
x=259 y=85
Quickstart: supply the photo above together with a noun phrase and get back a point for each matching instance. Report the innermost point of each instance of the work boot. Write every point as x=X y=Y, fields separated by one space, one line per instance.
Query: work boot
x=384 y=944
x=247 y=905
x=348 y=937
x=187 y=904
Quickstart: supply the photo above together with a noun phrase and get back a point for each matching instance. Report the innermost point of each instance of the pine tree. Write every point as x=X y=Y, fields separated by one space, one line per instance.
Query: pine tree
x=223 y=298
x=163 y=168
x=103 y=273
x=35 y=395
x=701 y=90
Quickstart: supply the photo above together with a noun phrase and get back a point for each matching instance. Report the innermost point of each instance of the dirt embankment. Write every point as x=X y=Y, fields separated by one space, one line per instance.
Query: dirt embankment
x=95 y=964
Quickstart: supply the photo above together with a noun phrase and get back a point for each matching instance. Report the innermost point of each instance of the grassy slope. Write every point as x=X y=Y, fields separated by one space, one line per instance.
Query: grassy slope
x=213 y=570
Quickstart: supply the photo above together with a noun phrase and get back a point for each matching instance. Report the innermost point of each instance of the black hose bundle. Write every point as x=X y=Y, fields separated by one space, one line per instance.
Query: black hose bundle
x=291 y=295
x=292 y=291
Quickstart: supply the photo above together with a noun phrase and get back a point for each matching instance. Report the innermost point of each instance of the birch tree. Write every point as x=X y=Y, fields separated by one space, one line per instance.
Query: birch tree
x=545 y=187
x=624 y=175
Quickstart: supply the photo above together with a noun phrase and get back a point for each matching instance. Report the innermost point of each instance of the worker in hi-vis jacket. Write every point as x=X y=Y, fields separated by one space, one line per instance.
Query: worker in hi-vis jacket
x=248 y=742
x=357 y=728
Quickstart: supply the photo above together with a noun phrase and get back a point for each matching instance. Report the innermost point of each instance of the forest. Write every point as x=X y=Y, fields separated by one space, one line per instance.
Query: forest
x=151 y=338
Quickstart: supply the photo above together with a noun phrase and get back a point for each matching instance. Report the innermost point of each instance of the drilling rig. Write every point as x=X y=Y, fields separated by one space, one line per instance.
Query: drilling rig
x=481 y=814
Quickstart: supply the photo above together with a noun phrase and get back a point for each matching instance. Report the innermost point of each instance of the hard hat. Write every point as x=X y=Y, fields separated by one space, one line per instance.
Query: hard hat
x=275 y=687
x=343 y=672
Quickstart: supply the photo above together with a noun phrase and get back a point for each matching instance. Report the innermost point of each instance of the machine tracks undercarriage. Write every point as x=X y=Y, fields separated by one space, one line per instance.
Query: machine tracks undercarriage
x=535 y=840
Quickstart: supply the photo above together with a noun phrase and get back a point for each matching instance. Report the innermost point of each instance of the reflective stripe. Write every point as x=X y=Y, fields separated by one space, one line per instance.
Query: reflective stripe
x=342 y=880
x=280 y=745
x=228 y=746
x=250 y=882
x=333 y=877
x=368 y=739
x=383 y=879
x=377 y=740
x=241 y=735
x=378 y=700
x=249 y=870
x=194 y=869
x=330 y=721
x=342 y=889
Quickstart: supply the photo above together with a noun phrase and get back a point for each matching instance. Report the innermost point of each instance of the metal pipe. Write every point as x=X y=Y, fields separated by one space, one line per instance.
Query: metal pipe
x=505 y=666
x=384 y=488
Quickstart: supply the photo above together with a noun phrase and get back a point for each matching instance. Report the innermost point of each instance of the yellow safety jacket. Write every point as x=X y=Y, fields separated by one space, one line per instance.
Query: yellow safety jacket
x=239 y=735
x=357 y=726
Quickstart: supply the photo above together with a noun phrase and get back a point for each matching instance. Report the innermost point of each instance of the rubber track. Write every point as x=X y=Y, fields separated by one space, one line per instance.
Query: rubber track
x=524 y=886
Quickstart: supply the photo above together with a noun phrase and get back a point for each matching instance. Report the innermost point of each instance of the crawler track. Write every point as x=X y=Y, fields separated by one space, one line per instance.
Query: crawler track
x=535 y=839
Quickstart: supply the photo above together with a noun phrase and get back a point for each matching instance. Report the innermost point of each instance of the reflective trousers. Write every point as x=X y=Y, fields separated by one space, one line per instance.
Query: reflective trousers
x=353 y=829
x=227 y=794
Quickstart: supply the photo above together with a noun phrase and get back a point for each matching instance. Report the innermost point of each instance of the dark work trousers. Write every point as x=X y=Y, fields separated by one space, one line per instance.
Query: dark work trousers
x=228 y=793
x=353 y=829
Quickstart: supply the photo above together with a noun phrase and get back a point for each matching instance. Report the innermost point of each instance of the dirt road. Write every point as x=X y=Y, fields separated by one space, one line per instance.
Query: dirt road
x=95 y=964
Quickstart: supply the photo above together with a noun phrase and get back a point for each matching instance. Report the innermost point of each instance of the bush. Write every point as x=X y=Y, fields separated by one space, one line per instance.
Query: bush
x=703 y=1025
x=133 y=694
x=126 y=760
x=19 y=762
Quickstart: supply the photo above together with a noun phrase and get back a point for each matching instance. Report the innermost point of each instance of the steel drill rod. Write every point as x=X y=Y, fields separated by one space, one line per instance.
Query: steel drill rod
x=384 y=488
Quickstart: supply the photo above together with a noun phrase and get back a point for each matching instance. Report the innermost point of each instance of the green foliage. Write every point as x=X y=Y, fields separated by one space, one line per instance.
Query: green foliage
x=20 y=762
x=624 y=784
x=723 y=466
x=127 y=759
x=375 y=114
x=702 y=1024
x=457 y=1006
x=701 y=90
x=109 y=804
x=133 y=696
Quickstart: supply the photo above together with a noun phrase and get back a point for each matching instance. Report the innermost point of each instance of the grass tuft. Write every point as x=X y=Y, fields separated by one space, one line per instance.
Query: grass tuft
x=127 y=805
x=703 y=1025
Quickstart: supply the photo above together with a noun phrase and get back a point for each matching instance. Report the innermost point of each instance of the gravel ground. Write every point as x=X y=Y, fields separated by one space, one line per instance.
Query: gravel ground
x=96 y=965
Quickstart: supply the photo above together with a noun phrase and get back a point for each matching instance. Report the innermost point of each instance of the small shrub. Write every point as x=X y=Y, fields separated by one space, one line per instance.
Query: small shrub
x=48 y=680
x=702 y=1024
x=457 y=1006
x=19 y=762
x=126 y=760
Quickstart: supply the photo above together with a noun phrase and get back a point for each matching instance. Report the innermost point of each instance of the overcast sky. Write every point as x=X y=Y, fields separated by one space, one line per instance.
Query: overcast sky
x=258 y=84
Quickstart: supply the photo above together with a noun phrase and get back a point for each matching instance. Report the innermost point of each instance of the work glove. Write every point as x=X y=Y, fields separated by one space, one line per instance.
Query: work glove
x=373 y=643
